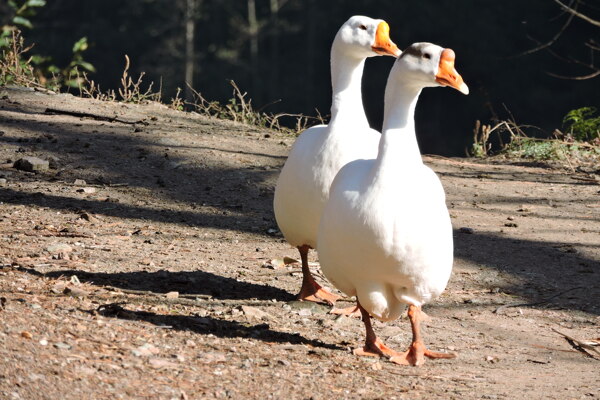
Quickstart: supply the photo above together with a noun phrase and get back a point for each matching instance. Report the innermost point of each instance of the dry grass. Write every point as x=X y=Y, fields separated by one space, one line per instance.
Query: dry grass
x=13 y=68
x=17 y=69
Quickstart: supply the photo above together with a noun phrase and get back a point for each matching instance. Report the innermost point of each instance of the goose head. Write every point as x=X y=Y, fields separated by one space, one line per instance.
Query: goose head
x=363 y=37
x=429 y=65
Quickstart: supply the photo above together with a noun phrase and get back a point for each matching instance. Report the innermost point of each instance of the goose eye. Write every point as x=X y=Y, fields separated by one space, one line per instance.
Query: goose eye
x=427 y=56
x=363 y=27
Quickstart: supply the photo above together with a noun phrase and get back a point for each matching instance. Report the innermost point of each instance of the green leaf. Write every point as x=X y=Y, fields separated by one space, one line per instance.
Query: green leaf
x=36 y=3
x=80 y=45
x=22 y=21
x=87 y=66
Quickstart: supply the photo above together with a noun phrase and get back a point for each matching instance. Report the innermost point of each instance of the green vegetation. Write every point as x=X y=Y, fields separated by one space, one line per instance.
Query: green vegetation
x=583 y=124
x=580 y=145
x=36 y=69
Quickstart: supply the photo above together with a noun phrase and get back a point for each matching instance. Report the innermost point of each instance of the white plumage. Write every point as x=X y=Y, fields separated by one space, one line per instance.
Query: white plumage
x=319 y=152
x=385 y=233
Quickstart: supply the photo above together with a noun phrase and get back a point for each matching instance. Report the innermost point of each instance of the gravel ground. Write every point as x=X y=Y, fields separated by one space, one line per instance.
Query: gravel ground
x=145 y=263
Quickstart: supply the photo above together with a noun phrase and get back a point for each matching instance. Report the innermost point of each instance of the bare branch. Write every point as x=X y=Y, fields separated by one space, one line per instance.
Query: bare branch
x=577 y=13
x=576 y=78
x=551 y=41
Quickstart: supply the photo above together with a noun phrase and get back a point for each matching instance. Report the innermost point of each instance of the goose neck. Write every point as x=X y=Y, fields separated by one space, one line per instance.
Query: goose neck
x=346 y=81
x=398 y=144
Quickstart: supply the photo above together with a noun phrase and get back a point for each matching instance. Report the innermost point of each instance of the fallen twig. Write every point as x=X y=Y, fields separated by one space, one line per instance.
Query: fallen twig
x=92 y=116
x=584 y=347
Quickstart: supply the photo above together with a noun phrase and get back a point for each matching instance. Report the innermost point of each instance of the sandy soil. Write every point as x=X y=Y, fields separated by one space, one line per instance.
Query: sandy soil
x=152 y=278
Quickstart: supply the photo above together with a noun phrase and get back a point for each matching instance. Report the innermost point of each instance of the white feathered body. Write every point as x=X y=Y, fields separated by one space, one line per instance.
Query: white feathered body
x=315 y=159
x=386 y=236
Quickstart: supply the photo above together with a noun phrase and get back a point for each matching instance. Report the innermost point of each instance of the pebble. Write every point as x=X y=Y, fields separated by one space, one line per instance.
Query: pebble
x=87 y=190
x=145 y=350
x=172 y=295
x=254 y=313
x=26 y=335
x=305 y=312
x=315 y=308
x=44 y=342
x=79 y=182
x=63 y=346
x=75 y=292
x=160 y=363
x=31 y=164
x=3 y=182
x=59 y=248
x=88 y=217
x=53 y=162
x=211 y=357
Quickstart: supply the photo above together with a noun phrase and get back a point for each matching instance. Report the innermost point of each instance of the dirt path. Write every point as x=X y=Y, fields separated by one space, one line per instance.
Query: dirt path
x=176 y=202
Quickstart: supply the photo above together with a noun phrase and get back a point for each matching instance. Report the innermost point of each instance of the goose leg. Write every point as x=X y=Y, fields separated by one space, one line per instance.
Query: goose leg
x=311 y=290
x=416 y=353
x=373 y=346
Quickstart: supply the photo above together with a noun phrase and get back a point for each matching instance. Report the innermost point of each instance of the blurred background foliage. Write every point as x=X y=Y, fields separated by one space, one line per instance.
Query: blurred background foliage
x=278 y=52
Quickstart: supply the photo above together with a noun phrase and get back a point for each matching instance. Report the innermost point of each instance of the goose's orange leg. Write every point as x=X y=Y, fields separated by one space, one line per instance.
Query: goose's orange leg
x=373 y=346
x=416 y=353
x=311 y=290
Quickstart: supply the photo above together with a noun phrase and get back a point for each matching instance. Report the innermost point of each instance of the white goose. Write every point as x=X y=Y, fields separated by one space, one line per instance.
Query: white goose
x=385 y=234
x=319 y=153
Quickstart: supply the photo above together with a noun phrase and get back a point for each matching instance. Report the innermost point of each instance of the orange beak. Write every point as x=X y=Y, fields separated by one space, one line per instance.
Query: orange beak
x=383 y=44
x=447 y=75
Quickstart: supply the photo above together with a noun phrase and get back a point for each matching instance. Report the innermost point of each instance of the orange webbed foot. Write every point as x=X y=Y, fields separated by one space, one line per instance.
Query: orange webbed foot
x=416 y=354
x=376 y=349
x=317 y=294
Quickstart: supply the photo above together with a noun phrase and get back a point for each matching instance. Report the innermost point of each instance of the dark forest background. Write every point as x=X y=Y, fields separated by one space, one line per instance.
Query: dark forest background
x=278 y=51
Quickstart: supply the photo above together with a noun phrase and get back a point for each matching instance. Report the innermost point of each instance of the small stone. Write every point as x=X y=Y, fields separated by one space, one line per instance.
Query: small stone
x=253 y=313
x=339 y=321
x=53 y=162
x=26 y=335
x=79 y=182
x=87 y=216
x=466 y=230
x=511 y=225
x=315 y=308
x=275 y=263
x=75 y=280
x=160 y=363
x=31 y=164
x=62 y=346
x=285 y=363
x=146 y=350
x=511 y=218
x=377 y=366
x=87 y=190
x=492 y=359
x=75 y=292
x=44 y=342
x=305 y=312
x=211 y=357
x=3 y=182
x=59 y=248
x=172 y=295
x=58 y=288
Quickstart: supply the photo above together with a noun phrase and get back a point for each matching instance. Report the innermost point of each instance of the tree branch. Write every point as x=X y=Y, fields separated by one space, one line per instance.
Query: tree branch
x=550 y=42
x=577 y=13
